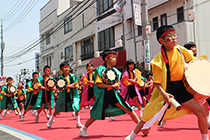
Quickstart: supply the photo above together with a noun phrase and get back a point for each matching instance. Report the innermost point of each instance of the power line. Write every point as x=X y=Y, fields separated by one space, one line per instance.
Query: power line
x=19 y=63
x=10 y=13
x=22 y=15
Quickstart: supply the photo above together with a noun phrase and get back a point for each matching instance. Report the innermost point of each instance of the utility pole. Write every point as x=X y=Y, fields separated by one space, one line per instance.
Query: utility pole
x=134 y=33
x=123 y=30
x=145 y=36
x=2 y=49
x=123 y=26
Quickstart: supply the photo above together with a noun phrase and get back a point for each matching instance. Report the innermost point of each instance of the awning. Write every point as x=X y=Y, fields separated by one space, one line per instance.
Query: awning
x=121 y=60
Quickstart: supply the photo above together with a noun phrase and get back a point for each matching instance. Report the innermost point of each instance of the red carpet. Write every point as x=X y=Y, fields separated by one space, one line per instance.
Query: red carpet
x=64 y=128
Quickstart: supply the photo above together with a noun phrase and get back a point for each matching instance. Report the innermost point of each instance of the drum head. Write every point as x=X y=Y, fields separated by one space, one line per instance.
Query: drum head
x=35 y=86
x=12 y=89
x=110 y=76
x=50 y=83
x=22 y=97
x=198 y=76
x=61 y=83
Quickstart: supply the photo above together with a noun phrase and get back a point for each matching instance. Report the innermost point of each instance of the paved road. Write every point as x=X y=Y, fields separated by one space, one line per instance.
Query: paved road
x=6 y=136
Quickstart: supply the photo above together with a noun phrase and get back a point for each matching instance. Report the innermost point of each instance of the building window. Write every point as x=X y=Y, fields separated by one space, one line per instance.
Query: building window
x=163 y=19
x=155 y=23
x=139 y=30
x=83 y=20
x=180 y=14
x=48 y=61
x=104 y=5
x=87 y=49
x=106 y=39
x=47 y=38
x=68 y=24
x=68 y=53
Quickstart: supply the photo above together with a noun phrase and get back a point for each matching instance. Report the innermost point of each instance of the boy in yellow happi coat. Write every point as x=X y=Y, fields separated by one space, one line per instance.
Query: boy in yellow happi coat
x=168 y=69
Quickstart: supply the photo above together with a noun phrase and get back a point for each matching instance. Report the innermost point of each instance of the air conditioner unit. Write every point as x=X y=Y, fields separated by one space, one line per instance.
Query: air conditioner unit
x=148 y=29
x=79 y=62
x=97 y=54
x=191 y=14
x=119 y=43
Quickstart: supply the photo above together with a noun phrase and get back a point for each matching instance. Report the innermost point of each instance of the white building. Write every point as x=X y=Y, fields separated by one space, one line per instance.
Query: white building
x=75 y=31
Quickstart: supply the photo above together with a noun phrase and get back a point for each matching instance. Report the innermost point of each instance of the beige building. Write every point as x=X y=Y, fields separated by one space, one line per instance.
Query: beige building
x=75 y=31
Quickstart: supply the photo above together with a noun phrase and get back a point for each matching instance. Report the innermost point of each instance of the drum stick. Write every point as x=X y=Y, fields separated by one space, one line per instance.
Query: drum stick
x=175 y=104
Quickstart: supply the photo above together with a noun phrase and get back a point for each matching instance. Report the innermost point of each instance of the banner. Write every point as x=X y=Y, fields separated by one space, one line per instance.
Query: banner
x=147 y=55
x=137 y=14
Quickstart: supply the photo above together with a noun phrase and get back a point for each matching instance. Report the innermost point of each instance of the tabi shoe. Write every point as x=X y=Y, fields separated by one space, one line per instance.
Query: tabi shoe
x=4 y=113
x=83 y=132
x=79 y=125
x=162 y=124
x=83 y=110
x=128 y=138
x=49 y=123
x=37 y=118
x=73 y=114
x=146 y=131
x=16 y=113
x=113 y=118
x=22 y=117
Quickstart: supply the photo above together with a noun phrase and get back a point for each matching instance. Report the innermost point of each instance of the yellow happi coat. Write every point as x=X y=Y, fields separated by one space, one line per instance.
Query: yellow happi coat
x=157 y=101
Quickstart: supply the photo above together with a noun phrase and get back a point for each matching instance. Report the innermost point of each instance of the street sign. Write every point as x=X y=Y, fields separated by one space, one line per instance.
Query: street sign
x=137 y=14
x=147 y=55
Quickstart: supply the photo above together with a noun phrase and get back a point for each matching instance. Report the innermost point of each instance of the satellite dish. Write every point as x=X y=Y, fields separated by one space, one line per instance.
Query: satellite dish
x=118 y=7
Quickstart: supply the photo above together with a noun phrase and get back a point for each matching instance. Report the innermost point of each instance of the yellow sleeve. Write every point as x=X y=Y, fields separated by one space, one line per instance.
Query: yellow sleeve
x=30 y=89
x=157 y=74
x=187 y=54
x=39 y=84
x=98 y=80
x=138 y=75
x=125 y=81
x=85 y=80
x=2 y=92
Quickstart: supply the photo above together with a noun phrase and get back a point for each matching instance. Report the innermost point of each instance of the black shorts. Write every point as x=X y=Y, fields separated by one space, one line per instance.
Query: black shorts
x=44 y=100
x=18 y=102
x=34 y=98
x=132 y=92
x=110 y=98
x=179 y=92
x=142 y=92
x=8 y=100
x=90 y=93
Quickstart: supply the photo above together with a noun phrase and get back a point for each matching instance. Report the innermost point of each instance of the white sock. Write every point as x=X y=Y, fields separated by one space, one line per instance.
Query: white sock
x=140 y=113
x=51 y=118
x=207 y=118
x=84 y=127
x=48 y=115
x=22 y=111
x=77 y=118
x=205 y=136
x=132 y=135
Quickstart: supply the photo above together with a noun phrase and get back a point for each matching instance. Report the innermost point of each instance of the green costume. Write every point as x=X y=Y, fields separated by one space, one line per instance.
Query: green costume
x=4 y=104
x=99 y=112
x=66 y=103
x=41 y=80
x=31 y=96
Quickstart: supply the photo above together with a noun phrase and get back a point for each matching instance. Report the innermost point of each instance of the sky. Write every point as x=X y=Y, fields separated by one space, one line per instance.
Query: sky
x=20 y=29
